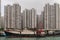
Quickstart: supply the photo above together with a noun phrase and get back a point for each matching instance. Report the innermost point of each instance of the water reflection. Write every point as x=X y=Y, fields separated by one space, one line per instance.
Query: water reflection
x=45 y=38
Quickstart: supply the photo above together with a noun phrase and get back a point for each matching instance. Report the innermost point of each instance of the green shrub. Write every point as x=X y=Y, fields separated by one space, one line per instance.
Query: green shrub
x=1 y=29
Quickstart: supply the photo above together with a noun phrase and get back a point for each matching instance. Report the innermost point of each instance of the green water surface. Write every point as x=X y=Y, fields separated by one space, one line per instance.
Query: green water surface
x=44 y=38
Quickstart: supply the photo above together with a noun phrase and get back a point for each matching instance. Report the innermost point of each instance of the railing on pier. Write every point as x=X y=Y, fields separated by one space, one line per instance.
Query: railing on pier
x=50 y=29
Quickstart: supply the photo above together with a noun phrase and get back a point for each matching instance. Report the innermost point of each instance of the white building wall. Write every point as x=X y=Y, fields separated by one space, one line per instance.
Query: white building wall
x=46 y=16
x=9 y=16
x=51 y=16
x=29 y=17
x=0 y=13
x=57 y=15
x=16 y=16
x=33 y=18
x=59 y=18
x=5 y=17
x=24 y=18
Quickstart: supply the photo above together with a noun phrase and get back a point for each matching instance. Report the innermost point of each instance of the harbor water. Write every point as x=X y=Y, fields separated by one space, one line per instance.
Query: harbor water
x=42 y=38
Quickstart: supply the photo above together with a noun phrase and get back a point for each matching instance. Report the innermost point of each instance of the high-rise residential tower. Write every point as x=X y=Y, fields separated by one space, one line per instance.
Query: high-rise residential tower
x=29 y=17
x=16 y=16
x=12 y=16
x=7 y=16
x=32 y=18
x=40 y=21
x=0 y=13
x=52 y=16
x=57 y=14
x=25 y=18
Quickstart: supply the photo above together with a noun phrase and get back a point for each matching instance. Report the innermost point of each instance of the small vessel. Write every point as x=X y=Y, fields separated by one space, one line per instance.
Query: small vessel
x=40 y=32
x=2 y=34
x=50 y=32
x=57 y=32
x=43 y=33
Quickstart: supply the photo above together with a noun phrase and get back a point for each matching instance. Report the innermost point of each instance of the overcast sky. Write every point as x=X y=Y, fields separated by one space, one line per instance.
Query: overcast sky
x=37 y=4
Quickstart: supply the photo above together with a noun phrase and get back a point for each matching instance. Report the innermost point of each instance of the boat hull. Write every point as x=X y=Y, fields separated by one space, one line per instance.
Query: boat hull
x=9 y=34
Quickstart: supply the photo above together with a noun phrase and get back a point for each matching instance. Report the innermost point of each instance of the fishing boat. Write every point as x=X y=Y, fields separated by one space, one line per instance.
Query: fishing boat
x=40 y=32
x=19 y=33
x=29 y=33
